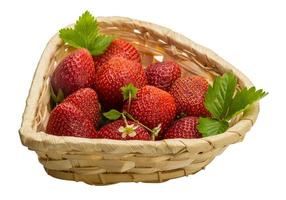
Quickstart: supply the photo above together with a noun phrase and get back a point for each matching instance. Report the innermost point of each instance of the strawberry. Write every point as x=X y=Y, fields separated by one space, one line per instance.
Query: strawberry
x=152 y=107
x=189 y=95
x=163 y=74
x=113 y=75
x=86 y=100
x=185 y=127
x=118 y=130
x=67 y=120
x=74 y=72
x=118 y=48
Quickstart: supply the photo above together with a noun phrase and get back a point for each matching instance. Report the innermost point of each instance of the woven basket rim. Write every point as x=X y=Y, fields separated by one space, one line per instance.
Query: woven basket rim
x=42 y=141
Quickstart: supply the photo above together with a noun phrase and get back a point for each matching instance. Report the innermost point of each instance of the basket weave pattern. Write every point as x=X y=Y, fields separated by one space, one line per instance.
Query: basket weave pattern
x=102 y=161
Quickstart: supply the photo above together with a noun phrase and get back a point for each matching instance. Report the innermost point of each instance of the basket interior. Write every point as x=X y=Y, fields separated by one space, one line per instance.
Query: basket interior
x=152 y=48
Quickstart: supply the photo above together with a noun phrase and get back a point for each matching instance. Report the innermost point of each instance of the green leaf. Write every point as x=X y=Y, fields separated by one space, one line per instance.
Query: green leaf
x=243 y=99
x=127 y=90
x=112 y=114
x=87 y=25
x=219 y=96
x=71 y=37
x=85 y=34
x=224 y=105
x=100 y=44
x=208 y=127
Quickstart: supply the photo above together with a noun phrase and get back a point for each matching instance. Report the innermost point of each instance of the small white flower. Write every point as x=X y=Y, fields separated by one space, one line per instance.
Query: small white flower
x=128 y=130
x=121 y=129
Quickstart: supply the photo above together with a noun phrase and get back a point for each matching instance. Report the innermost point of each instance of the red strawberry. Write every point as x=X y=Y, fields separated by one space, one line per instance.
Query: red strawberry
x=163 y=74
x=86 y=100
x=184 y=128
x=152 y=106
x=113 y=75
x=67 y=120
x=118 y=130
x=189 y=95
x=118 y=48
x=74 y=72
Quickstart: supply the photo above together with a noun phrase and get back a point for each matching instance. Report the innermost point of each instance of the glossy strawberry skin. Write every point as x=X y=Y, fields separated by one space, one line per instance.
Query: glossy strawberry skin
x=113 y=75
x=189 y=95
x=67 y=120
x=118 y=48
x=86 y=100
x=183 y=128
x=74 y=72
x=163 y=74
x=110 y=131
x=153 y=106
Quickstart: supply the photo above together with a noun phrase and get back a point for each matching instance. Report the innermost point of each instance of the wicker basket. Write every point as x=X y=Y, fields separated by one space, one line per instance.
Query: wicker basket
x=103 y=161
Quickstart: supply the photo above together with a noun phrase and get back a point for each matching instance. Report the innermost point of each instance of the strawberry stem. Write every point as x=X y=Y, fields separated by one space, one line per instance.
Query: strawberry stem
x=129 y=100
x=124 y=119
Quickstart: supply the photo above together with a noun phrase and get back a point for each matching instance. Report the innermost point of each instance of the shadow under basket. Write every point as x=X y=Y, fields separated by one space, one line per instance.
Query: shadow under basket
x=103 y=161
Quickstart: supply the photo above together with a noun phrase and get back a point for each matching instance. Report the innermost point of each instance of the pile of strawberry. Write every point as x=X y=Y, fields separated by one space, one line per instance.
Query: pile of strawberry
x=101 y=90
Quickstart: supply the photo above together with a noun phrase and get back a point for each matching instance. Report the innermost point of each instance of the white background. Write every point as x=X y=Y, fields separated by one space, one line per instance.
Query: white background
x=251 y=35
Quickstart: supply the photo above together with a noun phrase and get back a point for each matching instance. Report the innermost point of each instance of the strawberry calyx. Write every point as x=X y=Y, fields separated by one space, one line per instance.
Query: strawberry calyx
x=129 y=92
x=56 y=98
x=86 y=34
